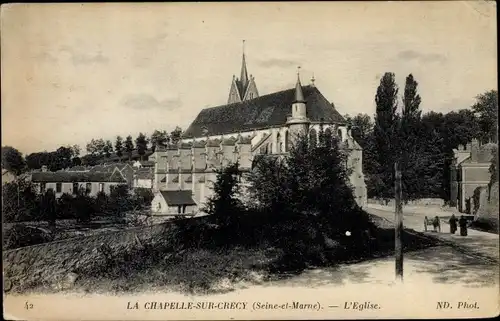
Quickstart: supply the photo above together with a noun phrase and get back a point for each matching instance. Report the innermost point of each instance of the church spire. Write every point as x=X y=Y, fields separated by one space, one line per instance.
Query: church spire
x=244 y=73
x=299 y=95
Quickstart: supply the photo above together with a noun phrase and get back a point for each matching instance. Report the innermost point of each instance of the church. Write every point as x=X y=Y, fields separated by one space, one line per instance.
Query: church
x=250 y=125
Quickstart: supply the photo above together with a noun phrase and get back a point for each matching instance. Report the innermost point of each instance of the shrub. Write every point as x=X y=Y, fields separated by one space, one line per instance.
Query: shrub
x=143 y=197
x=224 y=204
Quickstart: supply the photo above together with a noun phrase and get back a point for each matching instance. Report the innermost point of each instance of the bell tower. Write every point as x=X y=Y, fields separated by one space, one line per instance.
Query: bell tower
x=243 y=88
x=298 y=122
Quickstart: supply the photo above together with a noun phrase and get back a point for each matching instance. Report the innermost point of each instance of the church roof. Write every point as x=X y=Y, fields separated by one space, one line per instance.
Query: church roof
x=260 y=113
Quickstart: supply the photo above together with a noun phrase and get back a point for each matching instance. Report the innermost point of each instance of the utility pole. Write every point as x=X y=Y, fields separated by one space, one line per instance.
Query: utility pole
x=398 y=229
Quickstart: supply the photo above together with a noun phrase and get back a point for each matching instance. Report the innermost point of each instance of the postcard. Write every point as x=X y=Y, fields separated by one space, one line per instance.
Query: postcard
x=249 y=160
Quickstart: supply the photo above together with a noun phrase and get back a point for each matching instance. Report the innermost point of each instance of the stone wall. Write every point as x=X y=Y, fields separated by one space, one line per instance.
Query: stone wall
x=43 y=263
x=418 y=202
x=488 y=207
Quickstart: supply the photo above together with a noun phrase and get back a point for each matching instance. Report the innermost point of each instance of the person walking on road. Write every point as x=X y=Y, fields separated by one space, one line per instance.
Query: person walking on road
x=463 y=225
x=453 y=223
x=436 y=224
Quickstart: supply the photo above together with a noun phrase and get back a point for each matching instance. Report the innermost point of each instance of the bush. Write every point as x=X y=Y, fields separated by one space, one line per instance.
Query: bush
x=19 y=202
x=143 y=197
x=20 y=235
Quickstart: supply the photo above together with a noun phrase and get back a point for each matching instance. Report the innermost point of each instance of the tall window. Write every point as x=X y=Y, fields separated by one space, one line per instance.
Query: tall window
x=313 y=138
x=278 y=142
x=42 y=187
x=328 y=137
x=287 y=143
x=75 y=188
x=339 y=133
x=88 y=187
x=58 y=187
x=101 y=187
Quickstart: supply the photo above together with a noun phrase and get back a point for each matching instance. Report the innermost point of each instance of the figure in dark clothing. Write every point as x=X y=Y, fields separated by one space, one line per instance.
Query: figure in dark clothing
x=436 y=224
x=463 y=225
x=453 y=224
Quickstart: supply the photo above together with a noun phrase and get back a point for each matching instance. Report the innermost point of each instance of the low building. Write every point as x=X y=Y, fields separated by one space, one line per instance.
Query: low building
x=175 y=203
x=62 y=182
x=143 y=178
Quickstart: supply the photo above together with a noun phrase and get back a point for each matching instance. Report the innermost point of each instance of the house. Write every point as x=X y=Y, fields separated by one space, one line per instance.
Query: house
x=143 y=178
x=143 y=164
x=7 y=176
x=70 y=182
x=176 y=203
x=470 y=170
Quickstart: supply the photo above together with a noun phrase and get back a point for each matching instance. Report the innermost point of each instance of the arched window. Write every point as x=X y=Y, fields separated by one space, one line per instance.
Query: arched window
x=339 y=134
x=313 y=137
x=287 y=141
x=278 y=142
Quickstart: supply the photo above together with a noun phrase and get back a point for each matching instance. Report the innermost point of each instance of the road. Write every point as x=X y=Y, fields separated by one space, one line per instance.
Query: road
x=480 y=243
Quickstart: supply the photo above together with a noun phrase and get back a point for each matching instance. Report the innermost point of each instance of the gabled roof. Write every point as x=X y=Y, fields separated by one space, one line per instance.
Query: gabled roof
x=260 y=113
x=174 y=198
x=68 y=177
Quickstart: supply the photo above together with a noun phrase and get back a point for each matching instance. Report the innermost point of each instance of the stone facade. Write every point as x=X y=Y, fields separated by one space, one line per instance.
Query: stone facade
x=470 y=170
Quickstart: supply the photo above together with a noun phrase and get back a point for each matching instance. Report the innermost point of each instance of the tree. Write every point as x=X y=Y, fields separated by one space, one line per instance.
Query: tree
x=108 y=149
x=119 y=147
x=129 y=147
x=224 y=203
x=75 y=151
x=141 y=143
x=384 y=132
x=60 y=159
x=410 y=149
x=361 y=127
x=13 y=160
x=48 y=206
x=158 y=138
x=175 y=135
x=486 y=107
x=100 y=146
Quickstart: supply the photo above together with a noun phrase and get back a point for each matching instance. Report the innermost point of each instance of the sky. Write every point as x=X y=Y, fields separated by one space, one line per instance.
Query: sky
x=73 y=72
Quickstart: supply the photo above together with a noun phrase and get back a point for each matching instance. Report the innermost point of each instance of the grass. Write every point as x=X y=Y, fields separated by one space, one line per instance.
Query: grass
x=211 y=271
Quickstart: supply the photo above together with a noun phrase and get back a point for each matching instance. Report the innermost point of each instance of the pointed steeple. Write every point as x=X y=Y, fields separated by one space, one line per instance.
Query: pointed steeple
x=244 y=72
x=299 y=95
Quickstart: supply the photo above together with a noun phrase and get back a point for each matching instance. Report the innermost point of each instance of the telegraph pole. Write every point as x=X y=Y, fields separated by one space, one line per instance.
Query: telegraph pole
x=398 y=229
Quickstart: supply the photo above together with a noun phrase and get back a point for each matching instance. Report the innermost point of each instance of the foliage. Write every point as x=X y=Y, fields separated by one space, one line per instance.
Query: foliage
x=159 y=138
x=175 y=135
x=384 y=131
x=129 y=147
x=143 y=197
x=12 y=160
x=494 y=166
x=313 y=179
x=48 y=206
x=141 y=143
x=96 y=147
x=108 y=149
x=83 y=206
x=224 y=202
x=63 y=157
x=486 y=106
x=119 y=146
x=119 y=200
x=19 y=201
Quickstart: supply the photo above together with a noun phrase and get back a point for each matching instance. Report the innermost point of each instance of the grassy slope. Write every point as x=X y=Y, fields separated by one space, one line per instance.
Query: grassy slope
x=205 y=271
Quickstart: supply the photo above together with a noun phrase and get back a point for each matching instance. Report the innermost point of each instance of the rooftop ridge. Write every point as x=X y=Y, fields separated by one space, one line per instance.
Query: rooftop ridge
x=255 y=100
